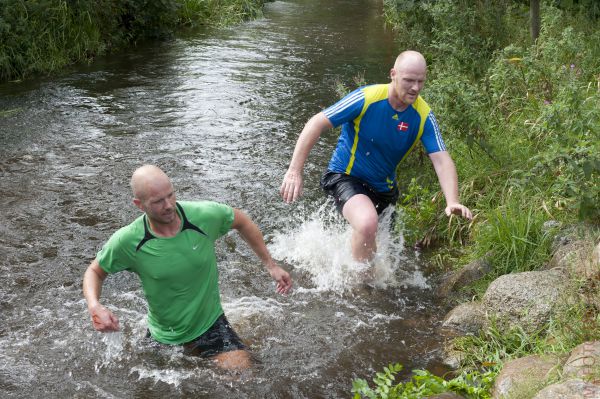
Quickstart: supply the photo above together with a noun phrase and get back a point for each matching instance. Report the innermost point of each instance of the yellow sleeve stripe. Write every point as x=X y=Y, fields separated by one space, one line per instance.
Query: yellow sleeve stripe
x=372 y=94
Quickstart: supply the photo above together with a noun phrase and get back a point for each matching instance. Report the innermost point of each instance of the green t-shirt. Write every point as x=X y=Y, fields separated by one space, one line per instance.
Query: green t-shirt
x=179 y=274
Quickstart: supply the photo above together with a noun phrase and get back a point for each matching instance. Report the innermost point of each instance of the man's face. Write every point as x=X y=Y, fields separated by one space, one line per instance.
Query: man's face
x=159 y=203
x=408 y=81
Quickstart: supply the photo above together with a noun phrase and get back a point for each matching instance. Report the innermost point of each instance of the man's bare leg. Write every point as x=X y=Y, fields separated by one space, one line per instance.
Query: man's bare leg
x=233 y=360
x=360 y=212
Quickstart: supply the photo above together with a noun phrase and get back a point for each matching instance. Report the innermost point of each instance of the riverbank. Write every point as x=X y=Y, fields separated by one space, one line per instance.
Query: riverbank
x=43 y=37
x=522 y=122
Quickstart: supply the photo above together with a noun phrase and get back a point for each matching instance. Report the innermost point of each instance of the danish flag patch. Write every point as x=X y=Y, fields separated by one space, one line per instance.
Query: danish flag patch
x=402 y=127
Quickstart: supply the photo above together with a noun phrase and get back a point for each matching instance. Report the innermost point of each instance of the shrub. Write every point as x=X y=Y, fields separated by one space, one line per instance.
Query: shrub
x=423 y=384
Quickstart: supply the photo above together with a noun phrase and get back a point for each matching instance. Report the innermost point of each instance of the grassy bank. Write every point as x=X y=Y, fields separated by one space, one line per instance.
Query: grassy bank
x=522 y=122
x=43 y=36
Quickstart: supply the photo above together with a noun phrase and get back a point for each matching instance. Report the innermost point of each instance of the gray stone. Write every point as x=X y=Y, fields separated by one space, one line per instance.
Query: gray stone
x=570 y=389
x=584 y=361
x=550 y=226
x=452 y=356
x=468 y=274
x=526 y=299
x=578 y=257
x=467 y=318
x=525 y=373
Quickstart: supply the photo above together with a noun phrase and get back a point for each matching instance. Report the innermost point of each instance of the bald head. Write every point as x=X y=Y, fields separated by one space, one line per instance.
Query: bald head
x=410 y=60
x=146 y=179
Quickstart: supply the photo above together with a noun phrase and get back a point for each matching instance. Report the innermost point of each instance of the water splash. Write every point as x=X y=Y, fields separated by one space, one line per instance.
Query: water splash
x=114 y=349
x=249 y=306
x=320 y=246
x=168 y=376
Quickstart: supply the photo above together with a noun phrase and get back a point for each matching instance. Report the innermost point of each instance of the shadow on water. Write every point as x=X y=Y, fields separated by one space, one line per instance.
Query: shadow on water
x=220 y=111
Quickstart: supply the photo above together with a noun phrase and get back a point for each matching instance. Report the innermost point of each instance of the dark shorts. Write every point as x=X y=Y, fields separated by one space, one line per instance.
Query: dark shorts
x=219 y=338
x=342 y=187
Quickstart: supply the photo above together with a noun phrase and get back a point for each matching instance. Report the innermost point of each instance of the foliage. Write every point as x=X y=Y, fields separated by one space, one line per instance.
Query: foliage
x=422 y=384
x=514 y=238
x=492 y=347
x=575 y=322
x=461 y=34
x=522 y=120
x=220 y=12
x=43 y=36
x=420 y=207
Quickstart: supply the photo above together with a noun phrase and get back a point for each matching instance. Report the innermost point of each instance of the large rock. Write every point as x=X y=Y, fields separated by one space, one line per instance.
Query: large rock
x=584 y=361
x=526 y=299
x=524 y=374
x=570 y=389
x=458 y=279
x=466 y=318
x=580 y=258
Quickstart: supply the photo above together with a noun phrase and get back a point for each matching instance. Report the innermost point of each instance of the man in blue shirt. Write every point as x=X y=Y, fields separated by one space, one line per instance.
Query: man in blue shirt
x=381 y=124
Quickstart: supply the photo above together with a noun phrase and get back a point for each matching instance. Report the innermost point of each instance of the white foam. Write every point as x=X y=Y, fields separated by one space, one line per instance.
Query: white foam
x=113 y=351
x=169 y=376
x=249 y=306
x=319 y=244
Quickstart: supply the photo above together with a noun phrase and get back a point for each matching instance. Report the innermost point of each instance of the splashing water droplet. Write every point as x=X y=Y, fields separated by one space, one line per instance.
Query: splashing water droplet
x=320 y=246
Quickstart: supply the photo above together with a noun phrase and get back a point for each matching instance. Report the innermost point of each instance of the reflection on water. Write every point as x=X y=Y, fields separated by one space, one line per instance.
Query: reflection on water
x=220 y=111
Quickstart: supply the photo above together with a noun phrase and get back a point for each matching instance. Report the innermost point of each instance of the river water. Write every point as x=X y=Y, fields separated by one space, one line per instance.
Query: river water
x=220 y=112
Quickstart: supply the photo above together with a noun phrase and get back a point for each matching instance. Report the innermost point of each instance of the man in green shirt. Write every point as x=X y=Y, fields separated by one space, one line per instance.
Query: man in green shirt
x=171 y=248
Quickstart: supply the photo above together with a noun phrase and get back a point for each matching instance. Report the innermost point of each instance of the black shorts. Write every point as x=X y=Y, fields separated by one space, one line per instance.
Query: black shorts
x=342 y=187
x=219 y=338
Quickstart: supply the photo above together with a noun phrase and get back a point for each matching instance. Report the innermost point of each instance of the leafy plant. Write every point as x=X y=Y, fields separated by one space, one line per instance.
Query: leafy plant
x=515 y=236
x=422 y=384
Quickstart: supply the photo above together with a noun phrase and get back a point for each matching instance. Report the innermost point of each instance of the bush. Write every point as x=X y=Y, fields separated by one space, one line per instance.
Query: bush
x=521 y=120
x=43 y=36
x=423 y=384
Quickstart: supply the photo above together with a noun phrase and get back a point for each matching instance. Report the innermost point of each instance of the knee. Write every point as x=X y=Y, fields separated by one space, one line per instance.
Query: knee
x=367 y=227
x=234 y=360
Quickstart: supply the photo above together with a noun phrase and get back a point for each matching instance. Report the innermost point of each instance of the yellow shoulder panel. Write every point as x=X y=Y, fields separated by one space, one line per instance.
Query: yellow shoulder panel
x=423 y=109
x=373 y=94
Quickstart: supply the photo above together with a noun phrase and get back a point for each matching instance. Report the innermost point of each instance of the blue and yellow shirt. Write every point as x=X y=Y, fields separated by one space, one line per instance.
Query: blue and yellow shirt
x=375 y=137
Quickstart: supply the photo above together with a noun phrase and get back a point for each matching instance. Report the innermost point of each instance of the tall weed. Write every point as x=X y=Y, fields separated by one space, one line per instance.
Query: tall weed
x=515 y=237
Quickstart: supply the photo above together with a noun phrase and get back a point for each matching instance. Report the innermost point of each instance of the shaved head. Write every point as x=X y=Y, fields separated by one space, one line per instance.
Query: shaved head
x=410 y=59
x=145 y=179
x=408 y=77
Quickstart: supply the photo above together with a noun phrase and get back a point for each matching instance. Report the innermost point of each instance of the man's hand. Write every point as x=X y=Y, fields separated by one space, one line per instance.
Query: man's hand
x=103 y=319
x=291 y=188
x=460 y=210
x=283 y=279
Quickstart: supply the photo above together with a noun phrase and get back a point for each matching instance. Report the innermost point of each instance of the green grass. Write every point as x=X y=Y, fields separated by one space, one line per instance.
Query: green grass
x=42 y=37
